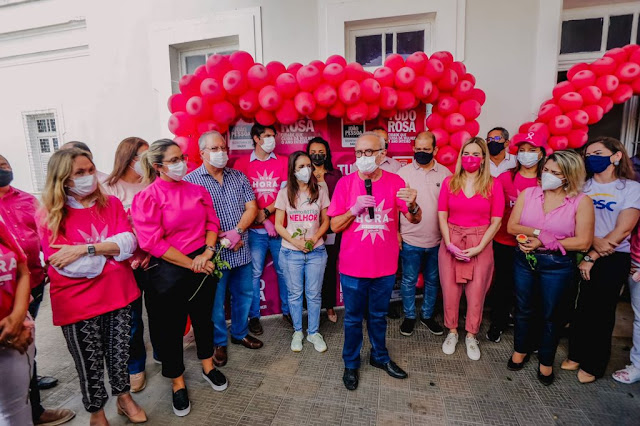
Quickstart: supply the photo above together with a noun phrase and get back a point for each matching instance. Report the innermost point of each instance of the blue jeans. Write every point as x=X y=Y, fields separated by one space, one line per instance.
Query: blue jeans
x=542 y=288
x=137 y=350
x=241 y=287
x=360 y=294
x=634 y=289
x=258 y=245
x=304 y=273
x=412 y=257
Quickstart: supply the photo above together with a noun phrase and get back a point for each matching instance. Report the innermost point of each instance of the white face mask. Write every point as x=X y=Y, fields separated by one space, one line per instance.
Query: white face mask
x=528 y=159
x=367 y=165
x=304 y=174
x=269 y=144
x=84 y=185
x=550 y=182
x=177 y=171
x=137 y=167
x=218 y=159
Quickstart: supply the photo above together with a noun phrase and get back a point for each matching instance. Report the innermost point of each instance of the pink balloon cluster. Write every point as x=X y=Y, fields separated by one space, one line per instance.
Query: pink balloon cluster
x=591 y=90
x=228 y=88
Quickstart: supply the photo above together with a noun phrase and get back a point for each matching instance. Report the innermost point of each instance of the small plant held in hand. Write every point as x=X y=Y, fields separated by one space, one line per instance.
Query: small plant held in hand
x=302 y=232
x=531 y=259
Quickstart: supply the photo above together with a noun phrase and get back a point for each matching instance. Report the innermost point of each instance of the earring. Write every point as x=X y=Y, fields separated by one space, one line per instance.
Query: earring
x=615 y=163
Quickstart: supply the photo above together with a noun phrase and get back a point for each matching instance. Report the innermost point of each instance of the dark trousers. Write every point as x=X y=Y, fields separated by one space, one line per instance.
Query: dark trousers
x=502 y=294
x=168 y=311
x=91 y=343
x=595 y=316
x=137 y=351
x=330 y=283
x=34 y=393
x=541 y=289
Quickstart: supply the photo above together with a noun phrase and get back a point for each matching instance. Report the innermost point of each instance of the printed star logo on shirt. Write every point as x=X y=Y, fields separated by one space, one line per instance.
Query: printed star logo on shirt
x=265 y=185
x=95 y=237
x=374 y=227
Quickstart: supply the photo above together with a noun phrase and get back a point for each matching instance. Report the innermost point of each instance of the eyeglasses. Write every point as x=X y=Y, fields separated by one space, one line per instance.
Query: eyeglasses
x=367 y=152
x=218 y=149
x=176 y=160
x=495 y=139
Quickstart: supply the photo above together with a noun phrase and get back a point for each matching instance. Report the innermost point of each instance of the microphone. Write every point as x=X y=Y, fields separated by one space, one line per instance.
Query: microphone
x=367 y=186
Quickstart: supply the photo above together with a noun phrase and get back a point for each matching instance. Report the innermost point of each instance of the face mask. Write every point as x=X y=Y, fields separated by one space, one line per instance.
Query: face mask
x=85 y=185
x=366 y=165
x=496 y=148
x=177 y=171
x=423 y=157
x=6 y=176
x=597 y=163
x=550 y=182
x=318 y=159
x=137 y=167
x=304 y=174
x=470 y=163
x=528 y=159
x=269 y=144
x=218 y=159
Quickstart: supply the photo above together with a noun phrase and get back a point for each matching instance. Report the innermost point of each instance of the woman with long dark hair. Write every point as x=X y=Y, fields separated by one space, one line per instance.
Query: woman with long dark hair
x=303 y=257
x=616 y=198
x=327 y=176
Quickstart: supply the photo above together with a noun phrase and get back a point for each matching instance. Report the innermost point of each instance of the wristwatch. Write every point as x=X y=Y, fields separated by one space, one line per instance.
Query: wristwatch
x=91 y=250
x=536 y=233
x=415 y=209
x=239 y=230
x=211 y=249
x=588 y=258
x=267 y=212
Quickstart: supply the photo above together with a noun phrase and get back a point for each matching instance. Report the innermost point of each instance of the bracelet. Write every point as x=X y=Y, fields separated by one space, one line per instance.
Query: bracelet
x=267 y=212
x=212 y=249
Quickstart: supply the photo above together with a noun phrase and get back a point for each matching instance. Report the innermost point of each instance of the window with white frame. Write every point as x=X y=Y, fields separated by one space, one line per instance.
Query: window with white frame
x=43 y=139
x=192 y=59
x=370 y=42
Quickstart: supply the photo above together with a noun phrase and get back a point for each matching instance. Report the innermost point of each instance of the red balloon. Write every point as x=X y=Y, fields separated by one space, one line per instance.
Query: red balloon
x=635 y=57
x=618 y=54
x=258 y=76
x=189 y=85
x=558 y=143
x=212 y=91
x=479 y=95
x=305 y=103
x=370 y=90
x=577 y=138
x=287 y=113
x=269 y=98
x=406 y=100
x=542 y=128
x=570 y=101
x=201 y=72
x=448 y=80
x=583 y=78
x=591 y=94
x=385 y=76
x=309 y=78
x=336 y=59
x=435 y=94
x=248 y=101
x=447 y=105
x=623 y=93
x=206 y=126
x=223 y=112
x=470 y=109
x=287 y=85
x=334 y=74
x=373 y=111
x=630 y=49
x=459 y=68
x=394 y=61
x=579 y=118
x=349 y=92
x=454 y=122
x=447 y=155
x=405 y=77
x=603 y=66
x=459 y=138
x=181 y=124
x=357 y=113
x=234 y=82
x=463 y=90
x=547 y=112
x=608 y=84
x=606 y=103
x=524 y=128
x=434 y=121
x=294 y=67
x=560 y=125
x=275 y=68
x=636 y=86
x=319 y=114
x=338 y=110
x=196 y=107
x=318 y=64
x=388 y=98
x=266 y=118
x=177 y=102
x=422 y=88
x=562 y=88
x=217 y=66
x=628 y=72
x=576 y=69
x=445 y=57
x=417 y=61
x=355 y=71
x=473 y=127
x=595 y=113
x=434 y=69
x=325 y=95
x=241 y=61
x=442 y=137
x=183 y=142
x=469 y=77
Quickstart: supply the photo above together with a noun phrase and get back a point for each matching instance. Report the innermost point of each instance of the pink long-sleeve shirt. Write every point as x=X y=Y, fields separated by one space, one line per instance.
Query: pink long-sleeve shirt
x=173 y=214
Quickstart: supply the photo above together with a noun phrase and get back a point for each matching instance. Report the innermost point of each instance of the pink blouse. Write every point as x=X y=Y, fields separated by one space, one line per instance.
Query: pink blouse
x=471 y=212
x=561 y=221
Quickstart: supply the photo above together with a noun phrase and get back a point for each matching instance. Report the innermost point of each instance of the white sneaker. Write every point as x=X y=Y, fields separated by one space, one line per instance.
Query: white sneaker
x=318 y=342
x=473 y=350
x=449 y=345
x=296 y=341
x=627 y=375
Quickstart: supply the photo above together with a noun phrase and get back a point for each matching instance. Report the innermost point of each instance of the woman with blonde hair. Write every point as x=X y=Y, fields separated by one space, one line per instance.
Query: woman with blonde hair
x=86 y=239
x=470 y=209
x=552 y=221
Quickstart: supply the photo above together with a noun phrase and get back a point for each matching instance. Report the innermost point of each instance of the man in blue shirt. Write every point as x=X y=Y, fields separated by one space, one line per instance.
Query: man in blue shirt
x=236 y=207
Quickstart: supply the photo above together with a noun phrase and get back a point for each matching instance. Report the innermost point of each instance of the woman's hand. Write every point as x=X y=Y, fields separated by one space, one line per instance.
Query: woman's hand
x=300 y=245
x=585 y=270
x=603 y=246
x=66 y=254
x=201 y=260
x=23 y=340
x=532 y=244
x=472 y=252
x=10 y=327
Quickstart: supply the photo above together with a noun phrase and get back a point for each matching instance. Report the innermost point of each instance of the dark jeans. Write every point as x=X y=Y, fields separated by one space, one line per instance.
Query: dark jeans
x=34 y=393
x=413 y=258
x=137 y=349
x=595 y=316
x=360 y=294
x=502 y=297
x=330 y=283
x=543 y=288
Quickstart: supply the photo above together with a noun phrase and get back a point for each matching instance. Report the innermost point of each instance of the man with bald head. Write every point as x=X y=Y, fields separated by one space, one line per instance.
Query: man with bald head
x=387 y=163
x=236 y=207
x=420 y=242
x=369 y=251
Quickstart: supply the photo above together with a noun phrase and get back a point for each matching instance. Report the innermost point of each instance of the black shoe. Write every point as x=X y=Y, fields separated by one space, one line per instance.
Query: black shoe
x=391 y=368
x=350 y=378
x=517 y=366
x=494 y=334
x=433 y=326
x=395 y=311
x=406 y=328
x=287 y=318
x=216 y=379
x=46 y=382
x=181 y=404
x=511 y=322
x=255 y=327
x=546 y=380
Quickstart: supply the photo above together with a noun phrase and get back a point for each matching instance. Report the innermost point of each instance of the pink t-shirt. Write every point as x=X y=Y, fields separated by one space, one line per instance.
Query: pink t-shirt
x=77 y=299
x=635 y=245
x=369 y=246
x=305 y=216
x=561 y=221
x=124 y=191
x=512 y=186
x=173 y=214
x=8 y=282
x=474 y=211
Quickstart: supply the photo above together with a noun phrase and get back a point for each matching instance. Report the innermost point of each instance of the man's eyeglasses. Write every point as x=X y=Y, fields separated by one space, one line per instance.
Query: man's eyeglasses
x=495 y=139
x=218 y=149
x=176 y=160
x=367 y=152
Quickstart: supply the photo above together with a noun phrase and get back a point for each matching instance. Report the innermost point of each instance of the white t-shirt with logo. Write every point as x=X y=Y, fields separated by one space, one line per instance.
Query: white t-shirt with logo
x=305 y=216
x=609 y=199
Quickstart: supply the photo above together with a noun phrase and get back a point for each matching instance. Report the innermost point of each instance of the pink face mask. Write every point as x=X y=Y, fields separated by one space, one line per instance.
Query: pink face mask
x=470 y=163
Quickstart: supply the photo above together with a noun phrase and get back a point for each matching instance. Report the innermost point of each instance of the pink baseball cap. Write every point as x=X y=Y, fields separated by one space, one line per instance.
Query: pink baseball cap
x=534 y=138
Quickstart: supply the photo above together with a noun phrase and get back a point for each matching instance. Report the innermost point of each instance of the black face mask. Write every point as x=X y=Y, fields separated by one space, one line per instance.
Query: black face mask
x=423 y=157
x=496 y=148
x=318 y=159
x=6 y=176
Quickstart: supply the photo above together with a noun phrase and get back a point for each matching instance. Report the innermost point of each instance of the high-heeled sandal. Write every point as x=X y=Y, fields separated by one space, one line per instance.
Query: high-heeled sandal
x=139 y=417
x=569 y=365
x=584 y=377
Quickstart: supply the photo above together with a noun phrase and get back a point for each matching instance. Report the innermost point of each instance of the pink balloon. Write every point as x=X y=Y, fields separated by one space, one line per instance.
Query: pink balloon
x=417 y=61
x=447 y=105
x=319 y=114
x=189 y=85
x=201 y=72
x=406 y=100
x=473 y=127
x=558 y=143
x=264 y=117
x=275 y=68
x=470 y=109
x=631 y=49
x=577 y=138
x=196 y=107
x=459 y=138
x=434 y=121
x=434 y=69
x=357 y=113
x=318 y=64
x=606 y=103
x=469 y=77
x=448 y=80
x=269 y=98
x=305 y=103
x=183 y=142
x=287 y=113
x=405 y=77
x=394 y=61
x=309 y=78
x=355 y=71
x=578 y=117
x=618 y=54
x=583 y=78
x=442 y=137
x=334 y=74
x=459 y=68
x=206 y=126
x=591 y=94
x=388 y=98
x=287 y=85
x=338 y=110
x=223 y=112
x=576 y=69
x=241 y=61
x=635 y=57
x=454 y=122
x=560 y=125
x=370 y=90
x=422 y=88
x=623 y=93
x=445 y=57
x=325 y=95
x=435 y=94
x=181 y=124
x=562 y=88
x=540 y=127
x=607 y=84
x=524 y=128
x=636 y=86
x=595 y=113
x=248 y=101
x=234 y=82
x=349 y=92
x=628 y=72
x=294 y=67
x=463 y=90
x=217 y=66
x=258 y=76
x=603 y=66
x=385 y=76
x=177 y=102
x=336 y=59
x=570 y=101
x=211 y=90
x=447 y=155
x=479 y=95
x=373 y=110
x=547 y=112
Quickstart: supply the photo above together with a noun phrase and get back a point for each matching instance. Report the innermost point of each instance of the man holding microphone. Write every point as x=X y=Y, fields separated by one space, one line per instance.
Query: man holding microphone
x=365 y=208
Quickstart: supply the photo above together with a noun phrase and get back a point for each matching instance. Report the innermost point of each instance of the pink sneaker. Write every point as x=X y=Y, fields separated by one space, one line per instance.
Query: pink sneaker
x=627 y=375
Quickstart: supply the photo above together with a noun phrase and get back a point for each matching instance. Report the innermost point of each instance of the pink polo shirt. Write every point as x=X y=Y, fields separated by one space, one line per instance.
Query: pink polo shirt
x=390 y=165
x=561 y=221
x=173 y=214
x=18 y=209
x=512 y=186
x=425 y=234
x=471 y=212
